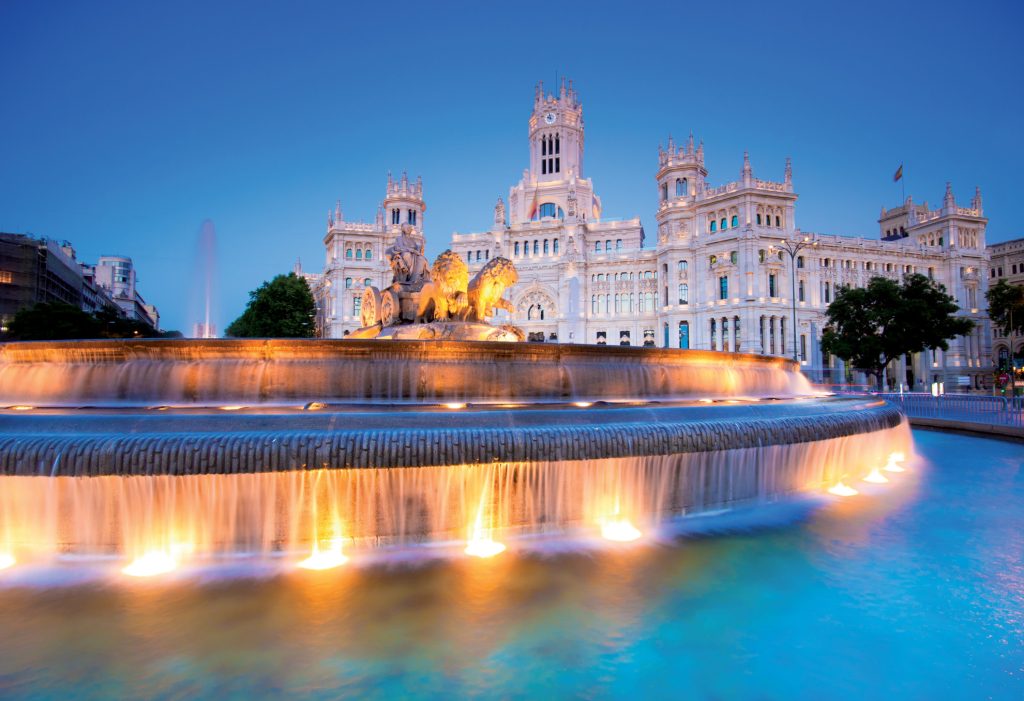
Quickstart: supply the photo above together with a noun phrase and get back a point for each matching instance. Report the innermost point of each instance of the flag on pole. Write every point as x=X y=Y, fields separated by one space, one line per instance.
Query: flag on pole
x=595 y=206
x=533 y=206
x=899 y=174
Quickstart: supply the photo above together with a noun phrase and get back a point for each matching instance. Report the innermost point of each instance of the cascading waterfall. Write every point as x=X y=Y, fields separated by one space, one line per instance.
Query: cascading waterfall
x=281 y=512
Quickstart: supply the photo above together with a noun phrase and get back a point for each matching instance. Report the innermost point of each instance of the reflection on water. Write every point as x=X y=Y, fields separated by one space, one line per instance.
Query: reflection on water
x=914 y=589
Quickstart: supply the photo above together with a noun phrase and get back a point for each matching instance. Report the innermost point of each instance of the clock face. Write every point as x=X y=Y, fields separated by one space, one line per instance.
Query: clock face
x=550 y=118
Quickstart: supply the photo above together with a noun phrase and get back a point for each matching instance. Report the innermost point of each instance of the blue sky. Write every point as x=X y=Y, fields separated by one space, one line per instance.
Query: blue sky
x=125 y=126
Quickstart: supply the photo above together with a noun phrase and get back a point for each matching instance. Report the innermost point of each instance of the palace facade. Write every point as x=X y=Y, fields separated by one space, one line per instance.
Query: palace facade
x=715 y=278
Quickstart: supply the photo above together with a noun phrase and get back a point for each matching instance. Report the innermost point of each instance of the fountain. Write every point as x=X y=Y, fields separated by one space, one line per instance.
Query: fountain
x=422 y=429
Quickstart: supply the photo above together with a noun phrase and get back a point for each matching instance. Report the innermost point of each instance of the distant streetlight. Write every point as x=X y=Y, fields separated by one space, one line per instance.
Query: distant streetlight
x=792 y=247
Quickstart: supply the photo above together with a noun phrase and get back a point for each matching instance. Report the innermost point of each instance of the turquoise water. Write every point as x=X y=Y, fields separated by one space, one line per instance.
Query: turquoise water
x=913 y=592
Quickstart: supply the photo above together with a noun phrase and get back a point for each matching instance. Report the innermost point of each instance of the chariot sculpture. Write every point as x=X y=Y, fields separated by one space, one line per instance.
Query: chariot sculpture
x=439 y=301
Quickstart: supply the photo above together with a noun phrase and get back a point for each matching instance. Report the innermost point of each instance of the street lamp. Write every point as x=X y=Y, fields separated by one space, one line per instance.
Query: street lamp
x=792 y=247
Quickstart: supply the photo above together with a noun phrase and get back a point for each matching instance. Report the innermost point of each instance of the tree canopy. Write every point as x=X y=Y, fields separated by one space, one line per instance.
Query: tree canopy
x=57 y=321
x=871 y=326
x=280 y=308
x=1006 y=307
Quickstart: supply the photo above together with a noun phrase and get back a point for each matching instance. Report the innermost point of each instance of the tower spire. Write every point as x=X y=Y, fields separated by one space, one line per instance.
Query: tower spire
x=789 y=170
x=689 y=144
x=747 y=173
x=976 y=202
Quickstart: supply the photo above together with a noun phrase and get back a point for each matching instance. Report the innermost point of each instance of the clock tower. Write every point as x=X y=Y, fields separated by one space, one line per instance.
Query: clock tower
x=556 y=135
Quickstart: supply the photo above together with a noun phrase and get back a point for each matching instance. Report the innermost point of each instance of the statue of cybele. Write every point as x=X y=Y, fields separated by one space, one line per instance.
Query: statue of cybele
x=405 y=255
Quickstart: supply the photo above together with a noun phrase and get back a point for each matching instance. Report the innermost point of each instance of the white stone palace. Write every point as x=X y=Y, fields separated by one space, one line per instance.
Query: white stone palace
x=715 y=278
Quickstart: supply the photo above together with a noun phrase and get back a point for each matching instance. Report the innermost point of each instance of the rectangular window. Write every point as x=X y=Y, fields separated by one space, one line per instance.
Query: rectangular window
x=357 y=305
x=558 y=165
x=771 y=285
x=803 y=347
x=6 y=278
x=723 y=287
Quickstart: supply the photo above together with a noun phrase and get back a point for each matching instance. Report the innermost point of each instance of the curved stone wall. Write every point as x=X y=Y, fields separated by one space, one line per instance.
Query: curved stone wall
x=190 y=444
x=287 y=371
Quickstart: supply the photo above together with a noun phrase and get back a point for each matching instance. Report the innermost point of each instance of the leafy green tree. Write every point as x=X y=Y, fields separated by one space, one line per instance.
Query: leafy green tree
x=1006 y=307
x=281 y=308
x=52 y=321
x=871 y=326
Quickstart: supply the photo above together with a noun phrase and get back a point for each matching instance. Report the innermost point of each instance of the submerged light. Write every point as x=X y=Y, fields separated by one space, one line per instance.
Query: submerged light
x=325 y=559
x=6 y=560
x=842 y=490
x=484 y=546
x=152 y=563
x=619 y=529
x=583 y=405
x=893 y=464
x=232 y=407
x=22 y=407
x=455 y=405
x=876 y=477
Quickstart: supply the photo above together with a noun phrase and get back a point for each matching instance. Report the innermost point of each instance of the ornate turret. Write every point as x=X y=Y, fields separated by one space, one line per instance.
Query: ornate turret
x=948 y=201
x=747 y=173
x=404 y=203
x=556 y=134
x=789 y=172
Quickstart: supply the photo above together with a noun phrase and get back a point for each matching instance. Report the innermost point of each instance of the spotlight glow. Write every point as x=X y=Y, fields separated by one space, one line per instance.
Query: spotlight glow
x=151 y=564
x=892 y=465
x=232 y=407
x=876 y=477
x=619 y=530
x=484 y=547
x=22 y=407
x=583 y=405
x=456 y=405
x=842 y=490
x=325 y=559
x=6 y=560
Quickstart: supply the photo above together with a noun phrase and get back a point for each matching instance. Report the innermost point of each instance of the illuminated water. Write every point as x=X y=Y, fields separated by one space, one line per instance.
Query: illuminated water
x=914 y=591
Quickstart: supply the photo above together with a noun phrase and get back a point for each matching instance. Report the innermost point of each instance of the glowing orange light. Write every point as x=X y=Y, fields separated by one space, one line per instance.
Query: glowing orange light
x=456 y=405
x=894 y=459
x=876 y=477
x=325 y=559
x=842 y=490
x=620 y=530
x=152 y=563
x=484 y=546
x=22 y=407
x=583 y=405
x=6 y=560
x=232 y=407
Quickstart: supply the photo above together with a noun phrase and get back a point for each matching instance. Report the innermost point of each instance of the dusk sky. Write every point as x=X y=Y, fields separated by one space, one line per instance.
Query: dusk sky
x=125 y=126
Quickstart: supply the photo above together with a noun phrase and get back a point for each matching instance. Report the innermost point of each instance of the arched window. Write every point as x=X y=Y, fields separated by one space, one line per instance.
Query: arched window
x=348 y=283
x=682 y=189
x=367 y=282
x=725 y=334
x=517 y=249
x=546 y=251
x=556 y=247
x=536 y=247
x=714 y=339
x=683 y=265
x=600 y=277
x=608 y=245
x=735 y=221
x=724 y=224
x=684 y=293
x=478 y=255
x=684 y=334
x=778 y=220
x=799 y=261
x=412 y=217
x=713 y=226
x=348 y=252
x=369 y=254
x=759 y=219
x=664 y=191
x=359 y=254
x=396 y=216
x=734 y=257
x=487 y=254
x=548 y=209
x=632 y=302
x=357 y=305
x=618 y=244
x=593 y=304
x=736 y=334
x=597 y=246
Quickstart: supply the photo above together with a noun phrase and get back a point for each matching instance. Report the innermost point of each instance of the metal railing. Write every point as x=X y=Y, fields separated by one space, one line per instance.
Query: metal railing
x=972 y=408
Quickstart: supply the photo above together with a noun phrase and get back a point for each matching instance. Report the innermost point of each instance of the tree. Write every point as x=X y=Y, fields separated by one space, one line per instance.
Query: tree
x=52 y=321
x=871 y=326
x=282 y=308
x=1006 y=307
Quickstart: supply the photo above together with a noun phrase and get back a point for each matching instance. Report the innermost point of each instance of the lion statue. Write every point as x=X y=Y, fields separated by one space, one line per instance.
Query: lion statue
x=485 y=291
x=444 y=297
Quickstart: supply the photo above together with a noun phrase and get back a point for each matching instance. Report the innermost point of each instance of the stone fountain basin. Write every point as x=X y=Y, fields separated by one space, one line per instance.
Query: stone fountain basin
x=209 y=440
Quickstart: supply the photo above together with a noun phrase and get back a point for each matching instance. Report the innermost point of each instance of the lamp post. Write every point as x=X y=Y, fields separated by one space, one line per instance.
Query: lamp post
x=793 y=247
